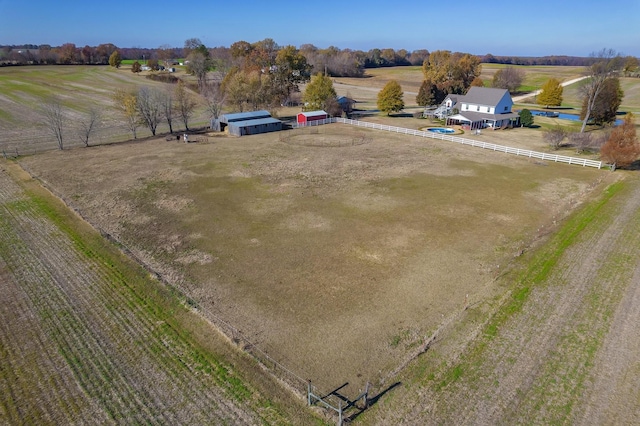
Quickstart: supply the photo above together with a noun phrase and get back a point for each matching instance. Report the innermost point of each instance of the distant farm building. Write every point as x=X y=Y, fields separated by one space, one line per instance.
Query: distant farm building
x=346 y=104
x=247 y=123
x=309 y=116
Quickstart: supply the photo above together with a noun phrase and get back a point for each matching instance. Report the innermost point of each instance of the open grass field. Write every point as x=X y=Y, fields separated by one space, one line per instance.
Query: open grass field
x=343 y=253
x=24 y=89
x=336 y=259
x=87 y=337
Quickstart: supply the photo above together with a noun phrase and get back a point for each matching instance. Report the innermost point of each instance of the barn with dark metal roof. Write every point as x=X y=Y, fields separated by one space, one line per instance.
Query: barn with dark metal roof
x=254 y=127
x=247 y=123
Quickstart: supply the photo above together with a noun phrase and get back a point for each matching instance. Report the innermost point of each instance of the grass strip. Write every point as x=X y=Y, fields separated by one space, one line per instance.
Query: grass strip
x=241 y=377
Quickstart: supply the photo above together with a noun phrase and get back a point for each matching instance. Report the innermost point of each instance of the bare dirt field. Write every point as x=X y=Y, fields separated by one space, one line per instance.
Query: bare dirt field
x=337 y=259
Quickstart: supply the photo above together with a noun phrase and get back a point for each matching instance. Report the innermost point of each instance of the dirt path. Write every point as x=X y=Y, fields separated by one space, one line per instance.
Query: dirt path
x=572 y=355
x=537 y=92
x=77 y=346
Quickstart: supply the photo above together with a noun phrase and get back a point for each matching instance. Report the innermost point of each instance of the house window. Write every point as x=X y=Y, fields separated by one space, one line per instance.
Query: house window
x=505 y=108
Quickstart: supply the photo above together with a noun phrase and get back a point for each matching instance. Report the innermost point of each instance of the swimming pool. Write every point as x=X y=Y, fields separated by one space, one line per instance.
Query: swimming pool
x=440 y=130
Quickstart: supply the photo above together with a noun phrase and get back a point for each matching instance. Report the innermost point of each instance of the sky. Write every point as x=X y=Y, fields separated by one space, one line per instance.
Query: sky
x=502 y=28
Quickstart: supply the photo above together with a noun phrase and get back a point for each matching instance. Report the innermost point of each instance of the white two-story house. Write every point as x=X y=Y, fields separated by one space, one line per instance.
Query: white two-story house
x=484 y=107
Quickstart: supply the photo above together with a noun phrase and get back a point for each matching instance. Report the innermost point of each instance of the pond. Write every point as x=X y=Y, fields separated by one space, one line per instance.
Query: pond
x=563 y=116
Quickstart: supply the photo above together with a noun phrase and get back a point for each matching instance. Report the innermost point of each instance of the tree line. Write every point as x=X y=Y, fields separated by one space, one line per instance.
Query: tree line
x=337 y=62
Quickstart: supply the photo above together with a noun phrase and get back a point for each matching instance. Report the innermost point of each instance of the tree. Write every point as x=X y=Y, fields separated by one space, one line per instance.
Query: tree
x=168 y=110
x=477 y=82
x=555 y=136
x=291 y=69
x=165 y=54
x=235 y=86
x=319 y=89
x=551 y=93
x=185 y=103
x=606 y=106
x=115 y=59
x=622 y=148
x=214 y=98
x=127 y=104
x=390 y=98
x=526 y=118
x=191 y=44
x=68 y=53
x=54 y=119
x=425 y=96
x=87 y=125
x=153 y=64
x=605 y=64
x=432 y=93
x=136 y=67
x=630 y=65
x=198 y=66
x=509 y=78
x=150 y=108
x=451 y=72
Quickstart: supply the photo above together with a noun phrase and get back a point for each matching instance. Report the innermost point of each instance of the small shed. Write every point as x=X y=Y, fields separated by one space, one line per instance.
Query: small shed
x=254 y=127
x=309 y=116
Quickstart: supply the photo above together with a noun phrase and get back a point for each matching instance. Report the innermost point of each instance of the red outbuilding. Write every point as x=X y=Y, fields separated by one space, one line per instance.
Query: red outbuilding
x=307 y=117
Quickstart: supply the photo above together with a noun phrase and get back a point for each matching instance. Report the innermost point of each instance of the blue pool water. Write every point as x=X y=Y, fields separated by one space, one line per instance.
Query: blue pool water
x=563 y=116
x=440 y=130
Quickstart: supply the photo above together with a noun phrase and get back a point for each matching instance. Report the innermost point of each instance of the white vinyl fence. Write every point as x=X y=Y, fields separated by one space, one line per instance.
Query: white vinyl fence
x=445 y=137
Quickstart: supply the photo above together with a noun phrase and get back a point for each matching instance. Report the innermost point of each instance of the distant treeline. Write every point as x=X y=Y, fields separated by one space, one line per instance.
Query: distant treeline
x=334 y=61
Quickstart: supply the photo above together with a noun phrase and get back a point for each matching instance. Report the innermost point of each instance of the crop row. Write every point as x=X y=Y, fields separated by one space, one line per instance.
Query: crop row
x=81 y=345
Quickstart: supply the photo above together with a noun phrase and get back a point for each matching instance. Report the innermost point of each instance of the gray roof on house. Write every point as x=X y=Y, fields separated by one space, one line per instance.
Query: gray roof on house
x=484 y=96
x=241 y=116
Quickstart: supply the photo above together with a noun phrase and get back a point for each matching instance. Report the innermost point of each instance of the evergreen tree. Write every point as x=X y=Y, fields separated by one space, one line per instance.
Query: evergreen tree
x=425 y=97
x=551 y=94
x=526 y=118
x=390 y=98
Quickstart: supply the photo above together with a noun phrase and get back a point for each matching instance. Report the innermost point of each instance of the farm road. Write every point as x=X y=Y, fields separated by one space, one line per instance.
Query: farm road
x=572 y=355
x=78 y=347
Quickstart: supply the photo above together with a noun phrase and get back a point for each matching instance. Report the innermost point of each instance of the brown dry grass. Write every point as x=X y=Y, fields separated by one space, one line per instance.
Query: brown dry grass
x=336 y=260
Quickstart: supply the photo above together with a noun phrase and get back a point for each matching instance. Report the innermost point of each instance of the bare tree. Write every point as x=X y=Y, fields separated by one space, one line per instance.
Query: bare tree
x=214 y=98
x=605 y=65
x=88 y=124
x=185 y=103
x=54 y=119
x=555 y=136
x=150 y=107
x=509 y=78
x=168 y=109
x=199 y=65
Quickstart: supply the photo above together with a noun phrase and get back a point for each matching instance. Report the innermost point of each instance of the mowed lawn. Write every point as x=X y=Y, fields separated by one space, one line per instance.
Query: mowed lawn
x=335 y=250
